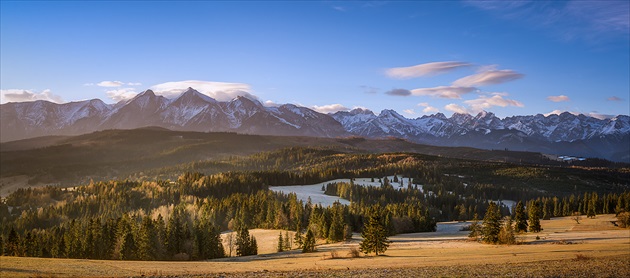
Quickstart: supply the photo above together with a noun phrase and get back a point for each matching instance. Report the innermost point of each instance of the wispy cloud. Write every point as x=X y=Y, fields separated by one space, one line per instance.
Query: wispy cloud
x=121 y=94
x=339 y=8
x=456 y=108
x=489 y=77
x=20 y=95
x=592 y=21
x=409 y=111
x=220 y=91
x=486 y=102
x=559 y=98
x=451 y=92
x=398 y=92
x=614 y=98
x=428 y=108
x=593 y=114
x=134 y=84
x=369 y=89
x=330 y=108
x=110 y=84
x=482 y=103
x=428 y=69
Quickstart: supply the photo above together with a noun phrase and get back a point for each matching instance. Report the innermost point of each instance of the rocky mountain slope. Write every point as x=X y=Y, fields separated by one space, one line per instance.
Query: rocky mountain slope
x=569 y=134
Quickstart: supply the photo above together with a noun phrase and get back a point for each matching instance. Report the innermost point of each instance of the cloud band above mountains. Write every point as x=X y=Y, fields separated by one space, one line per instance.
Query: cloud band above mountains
x=427 y=69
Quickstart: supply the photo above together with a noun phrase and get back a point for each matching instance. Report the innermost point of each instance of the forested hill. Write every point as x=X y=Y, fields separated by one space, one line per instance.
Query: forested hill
x=122 y=154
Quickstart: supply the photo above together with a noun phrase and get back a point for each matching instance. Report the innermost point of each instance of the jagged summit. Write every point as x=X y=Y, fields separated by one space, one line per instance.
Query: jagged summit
x=565 y=133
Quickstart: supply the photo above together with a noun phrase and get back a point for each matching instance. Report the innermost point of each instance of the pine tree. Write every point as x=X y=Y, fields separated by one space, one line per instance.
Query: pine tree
x=280 y=246
x=245 y=244
x=299 y=241
x=506 y=235
x=491 y=224
x=13 y=242
x=309 y=242
x=287 y=241
x=520 y=218
x=475 y=229
x=590 y=213
x=534 y=217
x=374 y=233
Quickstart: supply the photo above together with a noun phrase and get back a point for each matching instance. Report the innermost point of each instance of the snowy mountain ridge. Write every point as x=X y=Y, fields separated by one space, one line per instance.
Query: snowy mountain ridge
x=193 y=111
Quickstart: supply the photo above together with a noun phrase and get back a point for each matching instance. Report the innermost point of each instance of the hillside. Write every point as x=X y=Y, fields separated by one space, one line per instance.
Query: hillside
x=117 y=154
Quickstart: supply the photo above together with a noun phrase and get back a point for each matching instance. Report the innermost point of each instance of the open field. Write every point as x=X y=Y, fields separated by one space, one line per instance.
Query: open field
x=594 y=248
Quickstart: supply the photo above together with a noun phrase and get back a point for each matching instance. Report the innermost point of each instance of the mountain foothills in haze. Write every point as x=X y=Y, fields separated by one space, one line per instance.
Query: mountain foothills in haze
x=568 y=134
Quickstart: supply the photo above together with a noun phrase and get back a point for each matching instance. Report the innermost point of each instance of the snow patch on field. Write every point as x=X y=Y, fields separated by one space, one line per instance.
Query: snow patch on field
x=314 y=191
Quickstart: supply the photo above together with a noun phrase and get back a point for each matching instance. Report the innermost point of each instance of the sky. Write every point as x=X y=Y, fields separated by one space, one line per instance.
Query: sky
x=417 y=58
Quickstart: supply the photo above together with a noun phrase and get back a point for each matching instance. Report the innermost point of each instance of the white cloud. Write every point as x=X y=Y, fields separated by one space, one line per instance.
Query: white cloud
x=427 y=69
x=271 y=103
x=428 y=108
x=559 y=98
x=614 y=98
x=485 y=102
x=593 y=114
x=134 y=84
x=110 y=84
x=489 y=77
x=19 y=95
x=452 y=92
x=409 y=111
x=220 y=91
x=456 y=108
x=88 y=84
x=121 y=94
x=330 y=108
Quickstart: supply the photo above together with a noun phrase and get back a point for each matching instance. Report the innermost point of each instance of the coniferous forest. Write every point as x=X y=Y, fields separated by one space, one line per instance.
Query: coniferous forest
x=182 y=217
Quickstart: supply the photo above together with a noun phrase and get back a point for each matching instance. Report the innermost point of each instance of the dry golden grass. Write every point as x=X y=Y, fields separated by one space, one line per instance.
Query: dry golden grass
x=597 y=249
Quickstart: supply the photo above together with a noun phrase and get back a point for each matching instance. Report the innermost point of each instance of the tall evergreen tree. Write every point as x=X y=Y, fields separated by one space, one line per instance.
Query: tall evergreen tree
x=374 y=233
x=245 y=244
x=534 y=217
x=520 y=218
x=309 y=242
x=475 y=228
x=491 y=224
x=280 y=246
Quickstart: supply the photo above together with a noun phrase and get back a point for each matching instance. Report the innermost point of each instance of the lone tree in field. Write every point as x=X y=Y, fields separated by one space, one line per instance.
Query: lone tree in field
x=374 y=233
x=520 y=218
x=534 y=217
x=491 y=224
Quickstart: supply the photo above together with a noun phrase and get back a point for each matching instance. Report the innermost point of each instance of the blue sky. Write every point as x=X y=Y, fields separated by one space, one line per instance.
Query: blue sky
x=418 y=58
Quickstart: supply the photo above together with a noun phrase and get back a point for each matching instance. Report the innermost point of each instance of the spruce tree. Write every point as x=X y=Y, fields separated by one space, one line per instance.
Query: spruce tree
x=280 y=246
x=491 y=224
x=287 y=241
x=309 y=242
x=298 y=238
x=534 y=217
x=475 y=229
x=374 y=233
x=520 y=218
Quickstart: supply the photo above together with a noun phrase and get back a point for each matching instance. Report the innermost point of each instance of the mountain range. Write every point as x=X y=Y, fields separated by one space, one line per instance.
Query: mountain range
x=566 y=134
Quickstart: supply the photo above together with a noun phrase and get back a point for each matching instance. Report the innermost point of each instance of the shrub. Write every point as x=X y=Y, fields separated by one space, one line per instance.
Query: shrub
x=354 y=253
x=623 y=220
